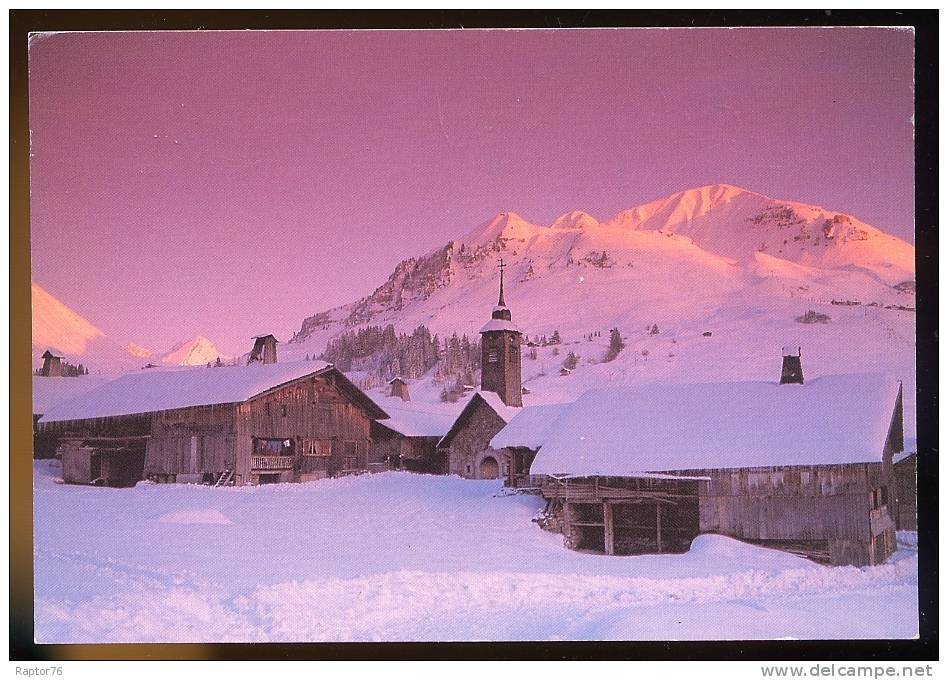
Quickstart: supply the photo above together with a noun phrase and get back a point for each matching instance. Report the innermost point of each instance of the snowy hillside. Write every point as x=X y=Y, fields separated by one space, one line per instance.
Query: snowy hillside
x=444 y=559
x=724 y=274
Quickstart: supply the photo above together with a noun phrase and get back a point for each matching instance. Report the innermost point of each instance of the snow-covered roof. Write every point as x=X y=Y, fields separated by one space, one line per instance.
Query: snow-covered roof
x=902 y=455
x=415 y=419
x=493 y=400
x=653 y=428
x=529 y=428
x=499 y=325
x=152 y=390
x=47 y=392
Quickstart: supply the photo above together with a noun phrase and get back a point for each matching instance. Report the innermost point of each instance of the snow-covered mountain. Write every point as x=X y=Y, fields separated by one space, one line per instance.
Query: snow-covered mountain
x=197 y=352
x=58 y=328
x=723 y=272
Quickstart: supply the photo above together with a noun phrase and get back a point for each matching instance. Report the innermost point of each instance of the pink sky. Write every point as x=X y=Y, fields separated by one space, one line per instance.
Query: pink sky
x=227 y=184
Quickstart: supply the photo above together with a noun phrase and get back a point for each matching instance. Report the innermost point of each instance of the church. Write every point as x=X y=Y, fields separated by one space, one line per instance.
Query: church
x=466 y=446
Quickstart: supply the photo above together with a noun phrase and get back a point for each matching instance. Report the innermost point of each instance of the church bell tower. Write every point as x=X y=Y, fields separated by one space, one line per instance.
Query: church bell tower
x=500 y=352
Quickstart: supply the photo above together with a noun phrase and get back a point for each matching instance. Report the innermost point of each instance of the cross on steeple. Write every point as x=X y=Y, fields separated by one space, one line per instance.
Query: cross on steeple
x=500 y=302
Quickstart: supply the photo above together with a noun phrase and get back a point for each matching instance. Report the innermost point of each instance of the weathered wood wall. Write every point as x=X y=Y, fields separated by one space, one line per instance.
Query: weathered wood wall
x=906 y=483
x=307 y=412
x=192 y=443
x=835 y=505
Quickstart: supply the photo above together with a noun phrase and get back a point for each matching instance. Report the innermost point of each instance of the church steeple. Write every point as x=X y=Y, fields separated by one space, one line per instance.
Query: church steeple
x=501 y=311
x=500 y=352
x=500 y=301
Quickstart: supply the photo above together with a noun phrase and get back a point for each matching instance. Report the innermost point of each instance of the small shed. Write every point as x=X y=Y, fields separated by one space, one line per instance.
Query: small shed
x=399 y=388
x=800 y=467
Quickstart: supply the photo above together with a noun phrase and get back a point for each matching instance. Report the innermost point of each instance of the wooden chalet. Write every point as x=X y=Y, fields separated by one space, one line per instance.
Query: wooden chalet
x=804 y=468
x=255 y=424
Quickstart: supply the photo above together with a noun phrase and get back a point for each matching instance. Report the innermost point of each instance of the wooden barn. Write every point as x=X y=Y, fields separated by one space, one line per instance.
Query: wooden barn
x=804 y=468
x=408 y=438
x=255 y=424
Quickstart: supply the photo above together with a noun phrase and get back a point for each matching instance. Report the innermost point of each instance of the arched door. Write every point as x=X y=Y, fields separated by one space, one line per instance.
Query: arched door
x=488 y=469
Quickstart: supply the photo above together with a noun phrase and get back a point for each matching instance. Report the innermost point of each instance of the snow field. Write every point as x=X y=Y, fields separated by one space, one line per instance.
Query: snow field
x=396 y=556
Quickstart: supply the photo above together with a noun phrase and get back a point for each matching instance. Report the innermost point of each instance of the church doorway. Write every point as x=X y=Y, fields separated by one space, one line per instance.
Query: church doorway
x=488 y=469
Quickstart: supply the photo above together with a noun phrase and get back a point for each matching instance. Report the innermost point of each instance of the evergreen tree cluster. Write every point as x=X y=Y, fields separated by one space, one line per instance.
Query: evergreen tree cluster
x=382 y=353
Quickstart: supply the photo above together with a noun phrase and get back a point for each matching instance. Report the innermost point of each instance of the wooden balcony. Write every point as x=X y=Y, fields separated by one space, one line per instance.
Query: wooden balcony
x=271 y=462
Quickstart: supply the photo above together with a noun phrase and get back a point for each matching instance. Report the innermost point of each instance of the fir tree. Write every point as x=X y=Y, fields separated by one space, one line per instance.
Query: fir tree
x=616 y=345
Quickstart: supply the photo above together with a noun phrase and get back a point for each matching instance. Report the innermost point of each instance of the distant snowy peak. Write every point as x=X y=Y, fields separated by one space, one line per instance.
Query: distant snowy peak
x=736 y=223
x=575 y=220
x=196 y=352
x=506 y=225
x=57 y=326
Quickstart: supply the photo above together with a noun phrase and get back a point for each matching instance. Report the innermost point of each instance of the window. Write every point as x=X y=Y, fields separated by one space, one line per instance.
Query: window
x=514 y=353
x=492 y=357
x=468 y=469
x=283 y=410
x=318 y=447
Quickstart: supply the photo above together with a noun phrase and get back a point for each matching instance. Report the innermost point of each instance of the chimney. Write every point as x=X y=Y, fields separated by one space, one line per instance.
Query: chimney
x=792 y=371
x=264 y=350
x=399 y=389
x=52 y=365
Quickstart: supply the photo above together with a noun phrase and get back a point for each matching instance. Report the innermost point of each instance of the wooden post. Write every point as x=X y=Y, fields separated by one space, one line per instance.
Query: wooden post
x=609 y=529
x=658 y=525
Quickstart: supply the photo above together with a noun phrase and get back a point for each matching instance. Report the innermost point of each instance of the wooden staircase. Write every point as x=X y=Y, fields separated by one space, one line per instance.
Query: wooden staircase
x=226 y=478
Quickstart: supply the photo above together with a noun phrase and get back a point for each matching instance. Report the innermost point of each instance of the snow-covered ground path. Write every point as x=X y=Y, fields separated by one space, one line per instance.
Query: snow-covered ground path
x=397 y=556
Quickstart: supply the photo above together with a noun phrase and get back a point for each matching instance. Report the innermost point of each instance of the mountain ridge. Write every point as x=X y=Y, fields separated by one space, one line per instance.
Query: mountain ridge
x=721 y=226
